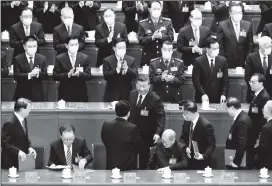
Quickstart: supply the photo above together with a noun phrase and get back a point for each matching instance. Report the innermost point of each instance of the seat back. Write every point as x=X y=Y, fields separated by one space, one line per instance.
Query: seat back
x=152 y=150
x=99 y=156
x=40 y=159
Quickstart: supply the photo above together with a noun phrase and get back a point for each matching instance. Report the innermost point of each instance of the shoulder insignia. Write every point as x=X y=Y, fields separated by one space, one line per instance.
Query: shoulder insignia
x=154 y=59
x=143 y=20
x=166 y=18
x=177 y=59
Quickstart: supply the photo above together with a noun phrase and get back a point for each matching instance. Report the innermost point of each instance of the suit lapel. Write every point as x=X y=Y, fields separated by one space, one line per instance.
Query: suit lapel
x=201 y=35
x=232 y=29
x=36 y=62
x=151 y=25
x=26 y=64
x=74 y=150
x=78 y=60
x=106 y=29
x=18 y=123
x=61 y=152
x=64 y=31
x=67 y=61
x=196 y=129
x=235 y=122
x=206 y=65
x=269 y=63
x=259 y=62
x=22 y=30
x=191 y=33
x=32 y=33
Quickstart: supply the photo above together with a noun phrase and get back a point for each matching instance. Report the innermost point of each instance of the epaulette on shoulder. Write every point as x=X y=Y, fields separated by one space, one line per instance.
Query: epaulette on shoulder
x=166 y=18
x=154 y=59
x=143 y=20
x=178 y=59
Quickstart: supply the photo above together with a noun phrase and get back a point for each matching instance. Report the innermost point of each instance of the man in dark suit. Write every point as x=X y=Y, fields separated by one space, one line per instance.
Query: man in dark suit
x=134 y=11
x=264 y=149
x=198 y=136
x=119 y=71
x=69 y=149
x=122 y=139
x=168 y=154
x=25 y=27
x=260 y=62
x=220 y=10
x=106 y=32
x=72 y=69
x=153 y=31
x=235 y=38
x=167 y=74
x=210 y=74
x=4 y=64
x=86 y=14
x=30 y=69
x=147 y=112
x=266 y=12
x=240 y=137
x=178 y=12
x=15 y=141
x=267 y=31
x=65 y=29
x=191 y=38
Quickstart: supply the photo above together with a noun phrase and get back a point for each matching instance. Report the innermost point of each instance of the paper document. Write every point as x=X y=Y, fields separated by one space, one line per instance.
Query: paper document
x=230 y=155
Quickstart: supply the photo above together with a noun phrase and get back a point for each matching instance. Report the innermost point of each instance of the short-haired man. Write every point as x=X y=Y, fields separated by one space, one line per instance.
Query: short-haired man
x=69 y=149
x=14 y=137
x=122 y=139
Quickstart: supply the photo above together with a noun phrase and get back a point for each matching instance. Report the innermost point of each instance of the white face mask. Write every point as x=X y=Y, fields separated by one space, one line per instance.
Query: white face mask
x=214 y=53
x=267 y=51
x=236 y=18
x=109 y=21
x=167 y=55
x=73 y=49
x=31 y=51
x=156 y=14
x=68 y=21
x=197 y=23
x=27 y=21
x=120 y=53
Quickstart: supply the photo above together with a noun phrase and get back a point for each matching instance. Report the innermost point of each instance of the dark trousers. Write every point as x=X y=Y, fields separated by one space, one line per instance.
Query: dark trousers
x=144 y=155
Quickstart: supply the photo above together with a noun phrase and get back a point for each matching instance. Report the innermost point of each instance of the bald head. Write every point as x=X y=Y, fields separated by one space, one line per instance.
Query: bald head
x=67 y=11
x=267 y=111
x=168 y=138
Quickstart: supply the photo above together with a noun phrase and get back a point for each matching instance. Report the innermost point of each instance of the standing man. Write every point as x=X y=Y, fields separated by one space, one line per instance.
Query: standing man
x=266 y=11
x=260 y=62
x=122 y=139
x=72 y=69
x=235 y=37
x=14 y=137
x=119 y=71
x=191 y=38
x=106 y=32
x=25 y=27
x=210 y=74
x=167 y=74
x=267 y=30
x=153 y=31
x=30 y=69
x=198 y=136
x=67 y=29
x=220 y=10
x=240 y=137
x=147 y=112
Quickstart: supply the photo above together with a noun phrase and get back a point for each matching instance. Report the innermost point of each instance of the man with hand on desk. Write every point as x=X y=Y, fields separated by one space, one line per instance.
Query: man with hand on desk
x=119 y=71
x=30 y=69
x=69 y=149
x=169 y=153
x=15 y=141
x=147 y=112
x=198 y=135
x=72 y=69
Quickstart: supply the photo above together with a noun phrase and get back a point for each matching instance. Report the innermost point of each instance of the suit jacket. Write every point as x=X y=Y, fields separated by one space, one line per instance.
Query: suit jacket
x=220 y=12
x=256 y=116
x=161 y=157
x=206 y=82
x=240 y=137
x=101 y=42
x=13 y=139
x=60 y=34
x=122 y=141
x=118 y=86
x=86 y=16
x=254 y=65
x=266 y=11
x=79 y=148
x=129 y=9
x=17 y=35
x=73 y=88
x=185 y=36
x=4 y=65
x=48 y=19
x=174 y=11
x=203 y=134
x=31 y=89
x=155 y=121
x=264 y=149
x=267 y=30
x=235 y=51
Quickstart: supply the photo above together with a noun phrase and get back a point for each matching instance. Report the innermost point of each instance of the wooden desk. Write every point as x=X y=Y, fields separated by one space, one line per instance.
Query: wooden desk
x=45 y=120
x=103 y=178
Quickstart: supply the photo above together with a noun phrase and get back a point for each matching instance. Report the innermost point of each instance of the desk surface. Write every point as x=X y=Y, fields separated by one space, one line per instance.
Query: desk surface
x=102 y=177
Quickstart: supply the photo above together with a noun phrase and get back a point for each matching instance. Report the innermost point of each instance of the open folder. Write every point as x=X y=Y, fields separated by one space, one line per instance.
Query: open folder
x=28 y=164
x=229 y=156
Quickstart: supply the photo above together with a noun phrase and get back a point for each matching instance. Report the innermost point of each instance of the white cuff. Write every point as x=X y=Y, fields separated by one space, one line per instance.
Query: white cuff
x=29 y=76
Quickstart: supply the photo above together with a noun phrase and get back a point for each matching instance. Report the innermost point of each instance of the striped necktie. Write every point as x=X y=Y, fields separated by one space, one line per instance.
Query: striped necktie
x=69 y=156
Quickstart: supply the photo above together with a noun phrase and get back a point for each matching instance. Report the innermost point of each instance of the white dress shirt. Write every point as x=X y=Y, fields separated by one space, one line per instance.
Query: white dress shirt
x=209 y=59
x=28 y=60
x=65 y=151
x=238 y=29
x=27 y=30
x=143 y=97
x=196 y=33
x=73 y=61
x=195 y=121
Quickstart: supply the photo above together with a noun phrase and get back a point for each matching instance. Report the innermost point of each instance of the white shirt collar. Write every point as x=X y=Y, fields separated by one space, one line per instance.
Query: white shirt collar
x=65 y=150
x=194 y=28
x=209 y=59
x=233 y=23
x=112 y=26
x=143 y=97
x=235 y=117
x=28 y=56
x=19 y=117
x=262 y=56
x=257 y=93
x=195 y=121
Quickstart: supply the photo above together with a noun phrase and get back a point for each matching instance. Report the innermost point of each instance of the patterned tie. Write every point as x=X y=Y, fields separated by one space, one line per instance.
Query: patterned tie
x=191 y=135
x=69 y=156
x=139 y=102
x=27 y=31
x=264 y=65
x=196 y=36
x=110 y=29
x=31 y=64
x=212 y=66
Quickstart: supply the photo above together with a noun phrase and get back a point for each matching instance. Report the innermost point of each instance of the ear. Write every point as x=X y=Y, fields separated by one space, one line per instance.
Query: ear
x=66 y=45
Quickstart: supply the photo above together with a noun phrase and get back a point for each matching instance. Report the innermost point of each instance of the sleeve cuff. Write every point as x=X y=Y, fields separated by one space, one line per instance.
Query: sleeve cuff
x=28 y=76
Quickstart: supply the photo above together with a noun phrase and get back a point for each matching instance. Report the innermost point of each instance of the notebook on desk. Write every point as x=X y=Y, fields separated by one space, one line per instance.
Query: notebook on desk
x=229 y=156
x=28 y=164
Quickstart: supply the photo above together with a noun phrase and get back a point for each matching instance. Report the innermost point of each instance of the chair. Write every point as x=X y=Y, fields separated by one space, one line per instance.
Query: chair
x=40 y=159
x=99 y=155
x=9 y=54
x=152 y=150
x=218 y=157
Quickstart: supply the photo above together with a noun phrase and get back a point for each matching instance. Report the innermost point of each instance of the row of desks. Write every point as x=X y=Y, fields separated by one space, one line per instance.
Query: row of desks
x=45 y=120
x=103 y=178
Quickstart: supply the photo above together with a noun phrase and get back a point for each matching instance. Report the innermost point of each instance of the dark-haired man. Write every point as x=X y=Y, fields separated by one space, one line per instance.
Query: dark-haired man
x=122 y=139
x=198 y=136
x=69 y=149
x=30 y=69
x=72 y=69
x=15 y=141
x=147 y=112
x=210 y=74
x=25 y=27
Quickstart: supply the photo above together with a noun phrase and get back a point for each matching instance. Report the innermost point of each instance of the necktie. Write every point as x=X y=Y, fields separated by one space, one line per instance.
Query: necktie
x=73 y=60
x=69 y=156
x=110 y=29
x=69 y=30
x=237 y=31
x=23 y=125
x=167 y=63
x=191 y=135
x=196 y=36
x=264 y=65
x=212 y=66
x=139 y=102
x=27 y=31
x=31 y=64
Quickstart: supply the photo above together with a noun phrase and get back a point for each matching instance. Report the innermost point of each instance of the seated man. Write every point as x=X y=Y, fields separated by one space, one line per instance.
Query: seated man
x=169 y=153
x=69 y=149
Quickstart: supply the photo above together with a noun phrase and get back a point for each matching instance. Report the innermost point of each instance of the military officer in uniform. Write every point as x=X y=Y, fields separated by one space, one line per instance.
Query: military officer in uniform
x=153 y=31
x=167 y=74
